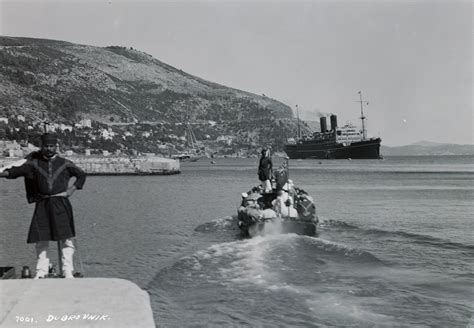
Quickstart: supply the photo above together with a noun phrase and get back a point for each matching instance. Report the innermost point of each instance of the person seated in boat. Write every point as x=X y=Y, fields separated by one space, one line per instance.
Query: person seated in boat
x=250 y=207
x=283 y=205
x=250 y=200
x=306 y=208
x=265 y=167
x=299 y=191
x=253 y=206
x=257 y=189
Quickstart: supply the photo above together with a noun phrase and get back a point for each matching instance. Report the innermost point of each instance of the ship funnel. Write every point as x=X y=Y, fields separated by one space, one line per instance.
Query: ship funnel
x=333 y=122
x=322 y=121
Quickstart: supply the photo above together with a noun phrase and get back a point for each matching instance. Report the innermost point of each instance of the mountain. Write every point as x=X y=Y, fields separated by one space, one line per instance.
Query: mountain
x=63 y=82
x=426 y=148
x=425 y=143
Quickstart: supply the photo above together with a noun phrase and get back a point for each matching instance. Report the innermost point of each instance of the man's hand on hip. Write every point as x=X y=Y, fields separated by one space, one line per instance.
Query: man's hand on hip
x=70 y=191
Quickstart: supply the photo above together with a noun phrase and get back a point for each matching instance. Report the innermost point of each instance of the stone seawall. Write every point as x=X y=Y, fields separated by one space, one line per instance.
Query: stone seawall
x=127 y=166
x=93 y=165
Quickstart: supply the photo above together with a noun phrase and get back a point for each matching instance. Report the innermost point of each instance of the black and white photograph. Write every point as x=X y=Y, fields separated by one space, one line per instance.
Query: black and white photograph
x=236 y=163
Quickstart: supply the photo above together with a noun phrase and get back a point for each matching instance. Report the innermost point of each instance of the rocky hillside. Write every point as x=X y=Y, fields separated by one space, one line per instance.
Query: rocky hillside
x=64 y=82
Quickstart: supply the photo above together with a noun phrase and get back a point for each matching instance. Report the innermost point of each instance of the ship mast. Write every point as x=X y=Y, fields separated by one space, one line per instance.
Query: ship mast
x=45 y=124
x=298 y=118
x=362 y=117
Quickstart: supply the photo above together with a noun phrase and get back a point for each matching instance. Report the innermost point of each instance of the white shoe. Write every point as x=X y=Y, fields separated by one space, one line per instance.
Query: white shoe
x=68 y=275
x=39 y=275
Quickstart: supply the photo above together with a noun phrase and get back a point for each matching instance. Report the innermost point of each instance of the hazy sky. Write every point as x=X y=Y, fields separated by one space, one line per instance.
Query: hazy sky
x=411 y=59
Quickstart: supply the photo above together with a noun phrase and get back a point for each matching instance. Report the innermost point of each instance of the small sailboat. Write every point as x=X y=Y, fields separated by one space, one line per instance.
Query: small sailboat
x=195 y=153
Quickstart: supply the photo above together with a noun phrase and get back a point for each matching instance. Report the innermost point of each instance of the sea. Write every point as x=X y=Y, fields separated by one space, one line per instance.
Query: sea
x=394 y=246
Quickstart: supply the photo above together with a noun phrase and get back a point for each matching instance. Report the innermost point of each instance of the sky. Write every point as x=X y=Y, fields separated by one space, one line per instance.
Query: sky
x=412 y=60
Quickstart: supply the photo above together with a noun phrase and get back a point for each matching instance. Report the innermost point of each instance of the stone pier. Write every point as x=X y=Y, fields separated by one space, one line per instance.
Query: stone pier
x=115 y=165
x=80 y=302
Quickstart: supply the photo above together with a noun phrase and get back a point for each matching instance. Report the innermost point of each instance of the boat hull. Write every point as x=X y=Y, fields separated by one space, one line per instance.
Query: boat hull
x=367 y=149
x=275 y=226
x=253 y=222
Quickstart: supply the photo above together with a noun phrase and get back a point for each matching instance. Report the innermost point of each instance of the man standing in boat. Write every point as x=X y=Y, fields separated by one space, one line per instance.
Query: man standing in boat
x=265 y=167
x=47 y=182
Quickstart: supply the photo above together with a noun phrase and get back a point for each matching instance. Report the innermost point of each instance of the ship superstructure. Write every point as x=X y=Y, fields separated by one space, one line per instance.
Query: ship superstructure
x=336 y=143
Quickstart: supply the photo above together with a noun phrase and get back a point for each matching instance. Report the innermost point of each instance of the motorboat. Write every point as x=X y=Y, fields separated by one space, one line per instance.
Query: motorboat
x=286 y=210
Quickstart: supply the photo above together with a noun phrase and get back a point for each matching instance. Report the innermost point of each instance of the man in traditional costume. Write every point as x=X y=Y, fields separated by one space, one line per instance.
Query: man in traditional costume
x=265 y=167
x=47 y=182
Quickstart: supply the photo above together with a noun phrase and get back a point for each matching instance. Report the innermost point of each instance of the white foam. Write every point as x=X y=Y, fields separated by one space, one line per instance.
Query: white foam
x=342 y=307
x=244 y=261
x=325 y=244
x=272 y=227
x=224 y=222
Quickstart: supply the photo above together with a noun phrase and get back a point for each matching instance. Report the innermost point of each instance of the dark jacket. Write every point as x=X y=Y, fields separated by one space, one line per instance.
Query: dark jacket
x=53 y=217
x=265 y=169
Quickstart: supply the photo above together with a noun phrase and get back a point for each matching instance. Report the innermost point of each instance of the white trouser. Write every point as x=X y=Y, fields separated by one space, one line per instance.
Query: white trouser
x=67 y=250
x=267 y=185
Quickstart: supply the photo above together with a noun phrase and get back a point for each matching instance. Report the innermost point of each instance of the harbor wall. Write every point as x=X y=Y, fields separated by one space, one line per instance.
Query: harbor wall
x=95 y=165
x=127 y=165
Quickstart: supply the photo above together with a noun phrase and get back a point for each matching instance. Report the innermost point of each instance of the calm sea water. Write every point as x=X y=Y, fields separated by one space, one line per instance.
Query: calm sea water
x=394 y=249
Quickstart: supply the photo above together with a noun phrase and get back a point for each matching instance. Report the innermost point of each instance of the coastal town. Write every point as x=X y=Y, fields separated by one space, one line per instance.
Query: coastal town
x=20 y=135
x=118 y=148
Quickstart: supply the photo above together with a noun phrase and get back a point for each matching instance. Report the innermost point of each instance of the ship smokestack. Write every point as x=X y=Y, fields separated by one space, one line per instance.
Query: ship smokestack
x=322 y=122
x=333 y=122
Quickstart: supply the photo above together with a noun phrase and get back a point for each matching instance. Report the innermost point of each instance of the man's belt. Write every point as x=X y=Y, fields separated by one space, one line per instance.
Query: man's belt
x=61 y=194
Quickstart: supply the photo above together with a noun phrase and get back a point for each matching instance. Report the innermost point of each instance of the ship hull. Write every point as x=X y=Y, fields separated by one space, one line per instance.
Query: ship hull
x=367 y=149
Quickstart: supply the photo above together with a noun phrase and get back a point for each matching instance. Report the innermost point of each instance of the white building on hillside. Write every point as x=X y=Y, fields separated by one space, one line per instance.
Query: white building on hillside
x=64 y=127
x=225 y=139
x=86 y=123
x=83 y=124
x=107 y=134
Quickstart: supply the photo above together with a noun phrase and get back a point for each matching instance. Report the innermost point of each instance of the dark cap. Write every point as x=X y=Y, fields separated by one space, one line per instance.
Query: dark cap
x=49 y=139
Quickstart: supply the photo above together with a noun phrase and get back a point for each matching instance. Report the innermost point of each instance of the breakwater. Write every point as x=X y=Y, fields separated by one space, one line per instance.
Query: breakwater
x=101 y=165
x=127 y=165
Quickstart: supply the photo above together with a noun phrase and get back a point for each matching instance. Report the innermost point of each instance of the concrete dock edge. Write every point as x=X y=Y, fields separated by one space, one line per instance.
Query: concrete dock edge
x=83 y=302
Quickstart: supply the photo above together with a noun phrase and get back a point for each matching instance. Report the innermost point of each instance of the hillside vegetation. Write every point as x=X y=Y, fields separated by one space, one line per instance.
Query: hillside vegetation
x=62 y=82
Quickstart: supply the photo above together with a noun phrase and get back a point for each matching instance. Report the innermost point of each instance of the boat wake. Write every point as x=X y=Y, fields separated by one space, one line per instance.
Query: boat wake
x=227 y=223
x=421 y=239
x=339 y=278
x=265 y=259
x=375 y=233
x=272 y=227
x=290 y=272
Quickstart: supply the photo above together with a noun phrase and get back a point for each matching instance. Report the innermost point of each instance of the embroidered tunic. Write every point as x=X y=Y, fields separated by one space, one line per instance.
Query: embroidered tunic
x=53 y=217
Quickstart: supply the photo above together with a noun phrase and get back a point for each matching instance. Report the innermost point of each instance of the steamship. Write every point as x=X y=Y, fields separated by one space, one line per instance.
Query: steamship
x=346 y=142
